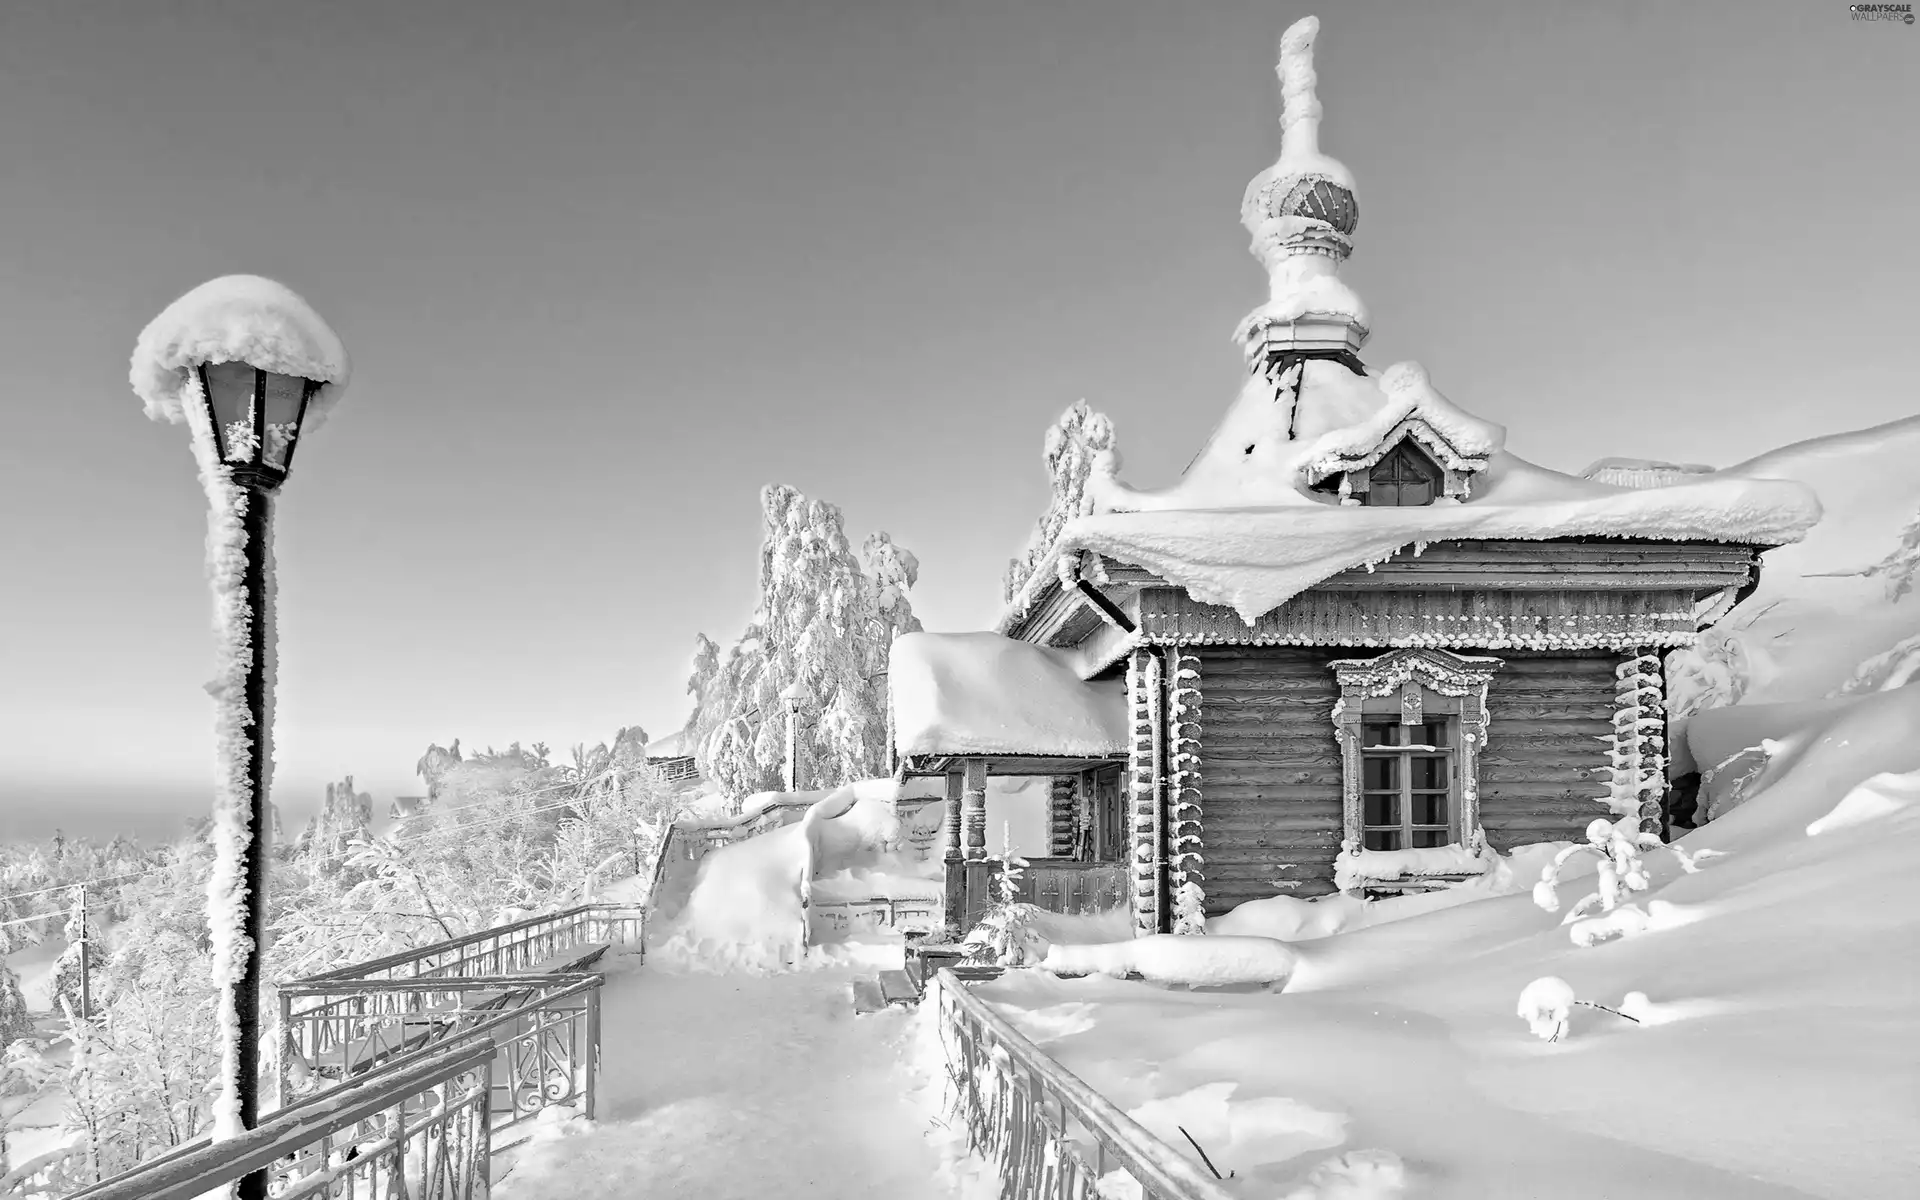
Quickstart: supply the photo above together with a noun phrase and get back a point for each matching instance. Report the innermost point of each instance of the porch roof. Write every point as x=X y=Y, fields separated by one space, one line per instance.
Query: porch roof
x=984 y=695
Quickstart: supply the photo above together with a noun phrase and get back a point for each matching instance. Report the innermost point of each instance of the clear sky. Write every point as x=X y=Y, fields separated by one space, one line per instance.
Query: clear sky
x=607 y=268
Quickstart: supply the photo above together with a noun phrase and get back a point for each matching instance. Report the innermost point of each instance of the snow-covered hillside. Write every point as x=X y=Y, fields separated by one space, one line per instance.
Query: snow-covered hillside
x=1817 y=617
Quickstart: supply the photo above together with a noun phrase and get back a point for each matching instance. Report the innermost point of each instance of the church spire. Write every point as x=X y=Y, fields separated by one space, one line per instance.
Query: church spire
x=1302 y=213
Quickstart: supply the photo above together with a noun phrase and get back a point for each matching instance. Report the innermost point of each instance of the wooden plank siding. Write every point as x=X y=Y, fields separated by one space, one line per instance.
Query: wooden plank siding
x=1542 y=774
x=1270 y=772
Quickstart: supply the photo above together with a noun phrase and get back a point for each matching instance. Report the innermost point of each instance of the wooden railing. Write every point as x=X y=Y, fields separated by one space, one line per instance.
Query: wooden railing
x=504 y=949
x=896 y=913
x=418 y=1130
x=1049 y=1135
x=1061 y=885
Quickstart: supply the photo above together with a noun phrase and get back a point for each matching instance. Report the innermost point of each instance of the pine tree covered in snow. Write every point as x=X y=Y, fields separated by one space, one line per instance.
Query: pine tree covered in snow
x=825 y=621
x=15 y=1020
x=1008 y=932
x=1073 y=443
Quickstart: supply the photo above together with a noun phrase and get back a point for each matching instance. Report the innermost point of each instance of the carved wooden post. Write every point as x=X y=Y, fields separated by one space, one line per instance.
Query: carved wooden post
x=953 y=854
x=1184 y=827
x=1639 y=765
x=974 y=808
x=1145 y=753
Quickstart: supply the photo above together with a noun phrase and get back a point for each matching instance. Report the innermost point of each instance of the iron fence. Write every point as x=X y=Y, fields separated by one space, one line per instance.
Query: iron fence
x=418 y=1129
x=1049 y=1135
x=546 y=1029
x=505 y=949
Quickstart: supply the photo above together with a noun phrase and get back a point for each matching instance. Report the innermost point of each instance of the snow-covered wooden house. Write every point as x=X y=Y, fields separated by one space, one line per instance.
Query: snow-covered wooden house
x=1356 y=644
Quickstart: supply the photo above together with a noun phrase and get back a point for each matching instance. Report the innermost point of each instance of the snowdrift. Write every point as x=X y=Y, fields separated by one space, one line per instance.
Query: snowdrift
x=1816 y=621
x=1776 y=1043
x=747 y=904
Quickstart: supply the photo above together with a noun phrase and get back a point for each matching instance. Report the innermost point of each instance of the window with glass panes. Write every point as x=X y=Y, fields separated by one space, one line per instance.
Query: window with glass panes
x=1407 y=784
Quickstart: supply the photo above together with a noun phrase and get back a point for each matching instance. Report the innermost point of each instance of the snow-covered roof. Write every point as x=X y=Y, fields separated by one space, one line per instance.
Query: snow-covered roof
x=1455 y=437
x=674 y=745
x=1254 y=558
x=237 y=318
x=1642 y=472
x=984 y=694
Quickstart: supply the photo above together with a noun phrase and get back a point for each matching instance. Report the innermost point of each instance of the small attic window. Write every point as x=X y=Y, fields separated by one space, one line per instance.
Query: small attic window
x=1404 y=478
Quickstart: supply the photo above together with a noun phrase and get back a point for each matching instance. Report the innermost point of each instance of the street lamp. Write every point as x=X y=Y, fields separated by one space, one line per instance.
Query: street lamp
x=796 y=697
x=249 y=368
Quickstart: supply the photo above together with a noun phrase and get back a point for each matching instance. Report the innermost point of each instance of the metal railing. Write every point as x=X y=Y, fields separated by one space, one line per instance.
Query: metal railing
x=404 y=1064
x=546 y=1029
x=1049 y=1135
x=504 y=949
x=417 y=1130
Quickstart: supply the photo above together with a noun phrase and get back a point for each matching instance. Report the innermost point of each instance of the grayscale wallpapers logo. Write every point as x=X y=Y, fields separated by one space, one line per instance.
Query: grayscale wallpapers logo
x=1902 y=13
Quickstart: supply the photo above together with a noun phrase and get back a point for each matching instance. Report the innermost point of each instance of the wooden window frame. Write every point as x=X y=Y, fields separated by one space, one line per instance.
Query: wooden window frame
x=1414 y=683
x=1401 y=754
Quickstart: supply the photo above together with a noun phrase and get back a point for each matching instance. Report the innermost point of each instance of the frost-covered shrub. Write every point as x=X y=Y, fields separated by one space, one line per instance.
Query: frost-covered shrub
x=1547 y=1004
x=1618 y=846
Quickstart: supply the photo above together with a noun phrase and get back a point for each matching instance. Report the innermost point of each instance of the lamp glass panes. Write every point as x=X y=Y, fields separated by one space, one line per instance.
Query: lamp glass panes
x=256 y=417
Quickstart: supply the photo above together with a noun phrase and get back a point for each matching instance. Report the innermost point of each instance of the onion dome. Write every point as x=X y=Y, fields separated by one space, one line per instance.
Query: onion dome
x=1302 y=213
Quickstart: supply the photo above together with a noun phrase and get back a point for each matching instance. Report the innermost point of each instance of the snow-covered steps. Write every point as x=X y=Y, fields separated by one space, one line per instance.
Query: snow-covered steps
x=873 y=993
x=867 y=996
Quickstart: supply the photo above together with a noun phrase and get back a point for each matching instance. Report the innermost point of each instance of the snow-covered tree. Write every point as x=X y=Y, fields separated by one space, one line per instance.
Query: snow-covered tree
x=1617 y=847
x=825 y=622
x=345 y=816
x=1072 y=444
x=1008 y=932
x=15 y=1020
x=435 y=763
x=1902 y=563
x=65 y=984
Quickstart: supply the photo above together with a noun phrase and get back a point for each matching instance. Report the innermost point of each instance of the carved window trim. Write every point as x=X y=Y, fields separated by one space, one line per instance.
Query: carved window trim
x=1413 y=682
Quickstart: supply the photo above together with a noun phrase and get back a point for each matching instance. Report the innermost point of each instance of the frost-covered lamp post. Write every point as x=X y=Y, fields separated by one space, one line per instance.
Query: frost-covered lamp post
x=796 y=698
x=250 y=369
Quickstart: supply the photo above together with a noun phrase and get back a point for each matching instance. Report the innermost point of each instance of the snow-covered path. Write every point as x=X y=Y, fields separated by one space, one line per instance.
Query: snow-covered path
x=749 y=1086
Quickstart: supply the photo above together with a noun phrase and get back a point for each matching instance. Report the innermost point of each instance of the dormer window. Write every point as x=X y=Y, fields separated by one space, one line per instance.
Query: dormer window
x=1403 y=478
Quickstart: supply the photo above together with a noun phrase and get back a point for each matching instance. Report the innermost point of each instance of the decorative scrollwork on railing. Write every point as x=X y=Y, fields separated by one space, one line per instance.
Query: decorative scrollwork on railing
x=1049 y=1135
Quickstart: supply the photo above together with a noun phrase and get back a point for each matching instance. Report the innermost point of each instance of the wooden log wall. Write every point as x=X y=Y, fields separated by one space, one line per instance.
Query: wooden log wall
x=1063 y=811
x=1544 y=773
x=1273 y=783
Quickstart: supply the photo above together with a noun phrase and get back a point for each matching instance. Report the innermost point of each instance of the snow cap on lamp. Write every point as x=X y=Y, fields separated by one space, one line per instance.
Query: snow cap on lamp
x=1302 y=213
x=237 y=318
